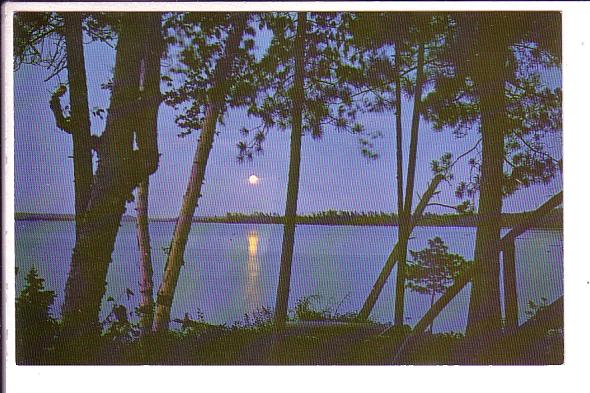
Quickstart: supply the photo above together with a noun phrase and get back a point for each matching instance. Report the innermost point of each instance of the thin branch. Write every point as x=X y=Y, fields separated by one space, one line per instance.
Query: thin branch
x=535 y=150
x=443 y=205
x=466 y=153
x=507 y=161
x=59 y=68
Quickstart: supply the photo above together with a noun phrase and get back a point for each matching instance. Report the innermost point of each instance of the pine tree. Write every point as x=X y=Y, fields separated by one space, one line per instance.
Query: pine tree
x=434 y=269
x=494 y=86
x=35 y=329
x=215 y=69
x=306 y=79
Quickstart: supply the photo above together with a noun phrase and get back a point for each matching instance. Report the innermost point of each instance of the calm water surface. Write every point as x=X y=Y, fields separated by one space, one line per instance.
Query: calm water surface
x=232 y=269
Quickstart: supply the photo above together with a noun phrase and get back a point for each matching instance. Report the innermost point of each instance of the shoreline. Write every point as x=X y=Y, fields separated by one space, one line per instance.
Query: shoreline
x=427 y=222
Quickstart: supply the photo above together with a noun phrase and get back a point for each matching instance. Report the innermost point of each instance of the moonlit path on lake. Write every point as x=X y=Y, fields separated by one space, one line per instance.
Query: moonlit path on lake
x=232 y=269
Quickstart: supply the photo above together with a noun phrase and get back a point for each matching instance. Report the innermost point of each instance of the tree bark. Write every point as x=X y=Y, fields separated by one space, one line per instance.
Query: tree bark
x=282 y=299
x=394 y=255
x=510 y=288
x=193 y=191
x=146 y=271
x=489 y=75
x=432 y=297
x=146 y=138
x=119 y=171
x=398 y=132
x=404 y=227
x=80 y=117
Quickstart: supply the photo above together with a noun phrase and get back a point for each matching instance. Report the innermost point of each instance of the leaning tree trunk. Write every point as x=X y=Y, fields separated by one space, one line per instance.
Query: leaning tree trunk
x=489 y=79
x=282 y=299
x=404 y=224
x=197 y=176
x=119 y=170
x=399 y=154
x=394 y=255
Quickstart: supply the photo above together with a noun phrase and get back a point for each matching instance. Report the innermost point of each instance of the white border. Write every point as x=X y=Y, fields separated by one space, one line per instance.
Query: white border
x=302 y=379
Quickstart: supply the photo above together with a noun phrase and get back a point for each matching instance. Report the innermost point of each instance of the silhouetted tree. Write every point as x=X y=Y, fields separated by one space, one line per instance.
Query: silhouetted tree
x=55 y=41
x=66 y=52
x=434 y=269
x=120 y=168
x=495 y=85
x=306 y=83
x=209 y=92
x=35 y=328
x=414 y=40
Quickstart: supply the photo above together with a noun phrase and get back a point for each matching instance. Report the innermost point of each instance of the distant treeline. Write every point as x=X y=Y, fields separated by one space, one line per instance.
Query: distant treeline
x=333 y=217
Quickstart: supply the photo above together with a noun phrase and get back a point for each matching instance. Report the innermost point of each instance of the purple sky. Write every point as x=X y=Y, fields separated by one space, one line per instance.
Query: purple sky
x=334 y=175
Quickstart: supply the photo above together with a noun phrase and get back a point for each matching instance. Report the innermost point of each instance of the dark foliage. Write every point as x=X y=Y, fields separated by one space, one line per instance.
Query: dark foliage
x=36 y=329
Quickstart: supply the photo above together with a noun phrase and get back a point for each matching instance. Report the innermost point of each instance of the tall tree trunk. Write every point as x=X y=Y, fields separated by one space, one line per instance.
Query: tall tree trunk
x=404 y=225
x=146 y=137
x=80 y=117
x=398 y=132
x=193 y=191
x=489 y=74
x=119 y=171
x=282 y=299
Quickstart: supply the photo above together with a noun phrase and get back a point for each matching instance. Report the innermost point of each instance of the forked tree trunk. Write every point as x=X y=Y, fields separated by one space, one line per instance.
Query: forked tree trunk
x=404 y=224
x=489 y=78
x=193 y=191
x=394 y=255
x=119 y=171
x=80 y=118
x=282 y=299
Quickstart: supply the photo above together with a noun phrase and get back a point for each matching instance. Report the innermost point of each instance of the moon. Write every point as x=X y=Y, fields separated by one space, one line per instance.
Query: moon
x=253 y=179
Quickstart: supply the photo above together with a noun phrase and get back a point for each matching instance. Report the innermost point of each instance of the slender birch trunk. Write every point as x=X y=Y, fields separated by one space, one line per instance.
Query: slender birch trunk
x=146 y=271
x=146 y=137
x=282 y=299
x=193 y=191
x=432 y=297
x=404 y=225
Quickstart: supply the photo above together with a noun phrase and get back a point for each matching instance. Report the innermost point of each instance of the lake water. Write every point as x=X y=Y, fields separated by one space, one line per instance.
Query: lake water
x=232 y=269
